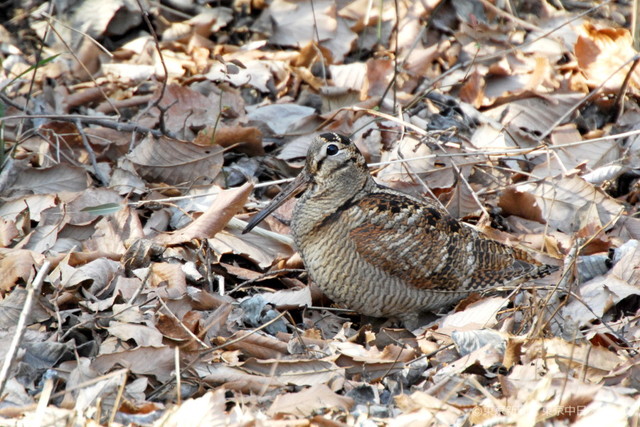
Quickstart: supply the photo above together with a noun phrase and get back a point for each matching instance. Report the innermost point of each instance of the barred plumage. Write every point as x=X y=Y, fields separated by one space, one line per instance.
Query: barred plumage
x=384 y=253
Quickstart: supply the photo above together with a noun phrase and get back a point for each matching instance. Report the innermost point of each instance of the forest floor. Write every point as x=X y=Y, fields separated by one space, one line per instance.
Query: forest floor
x=138 y=137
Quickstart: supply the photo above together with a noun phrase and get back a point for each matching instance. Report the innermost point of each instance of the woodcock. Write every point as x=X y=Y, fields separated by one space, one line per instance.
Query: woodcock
x=384 y=253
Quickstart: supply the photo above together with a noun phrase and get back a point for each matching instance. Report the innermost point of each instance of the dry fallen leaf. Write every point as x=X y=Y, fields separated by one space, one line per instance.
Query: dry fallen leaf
x=158 y=311
x=226 y=205
x=174 y=162
x=304 y=403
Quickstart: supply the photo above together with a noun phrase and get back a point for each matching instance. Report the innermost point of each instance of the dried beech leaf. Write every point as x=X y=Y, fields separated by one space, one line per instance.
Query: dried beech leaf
x=55 y=179
x=12 y=305
x=294 y=25
x=17 y=265
x=168 y=279
x=308 y=401
x=529 y=117
x=296 y=372
x=481 y=314
x=244 y=139
x=514 y=202
x=158 y=362
x=225 y=206
x=462 y=202
x=571 y=203
x=206 y=410
x=143 y=335
x=601 y=50
x=289 y=298
x=175 y=162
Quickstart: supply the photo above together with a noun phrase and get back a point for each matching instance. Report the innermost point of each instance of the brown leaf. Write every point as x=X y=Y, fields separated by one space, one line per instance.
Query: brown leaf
x=304 y=403
x=236 y=379
x=570 y=203
x=55 y=179
x=174 y=162
x=514 y=202
x=158 y=362
x=168 y=279
x=143 y=335
x=295 y=22
x=257 y=345
x=8 y=232
x=207 y=410
x=472 y=91
x=11 y=308
x=593 y=361
x=298 y=372
x=172 y=328
x=287 y=299
x=225 y=206
x=478 y=315
x=17 y=265
x=246 y=140
x=188 y=110
x=374 y=364
x=601 y=50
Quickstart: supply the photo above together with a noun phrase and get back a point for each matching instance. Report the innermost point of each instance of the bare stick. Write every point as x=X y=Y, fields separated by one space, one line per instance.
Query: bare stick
x=106 y=122
x=22 y=321
x=619 y=102
x=104 y=180
x=163 y=88
x=84 y=67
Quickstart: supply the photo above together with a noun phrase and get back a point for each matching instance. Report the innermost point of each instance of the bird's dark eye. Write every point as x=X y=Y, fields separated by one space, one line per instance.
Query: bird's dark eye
x=332 y=149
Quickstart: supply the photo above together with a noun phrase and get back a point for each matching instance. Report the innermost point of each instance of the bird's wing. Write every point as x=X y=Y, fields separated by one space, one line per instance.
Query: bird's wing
x=427 y=248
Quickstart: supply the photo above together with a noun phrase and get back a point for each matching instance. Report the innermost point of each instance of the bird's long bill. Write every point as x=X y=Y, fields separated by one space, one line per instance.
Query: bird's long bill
x=296 y=186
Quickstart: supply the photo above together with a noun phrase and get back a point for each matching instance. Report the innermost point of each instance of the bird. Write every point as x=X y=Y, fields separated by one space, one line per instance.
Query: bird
x=381 y=252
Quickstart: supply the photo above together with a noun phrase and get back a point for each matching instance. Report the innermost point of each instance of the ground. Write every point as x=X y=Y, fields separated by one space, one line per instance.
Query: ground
x=138 y=139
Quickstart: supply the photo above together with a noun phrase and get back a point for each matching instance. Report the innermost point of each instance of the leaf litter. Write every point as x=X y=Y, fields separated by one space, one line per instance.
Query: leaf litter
x=133 y=155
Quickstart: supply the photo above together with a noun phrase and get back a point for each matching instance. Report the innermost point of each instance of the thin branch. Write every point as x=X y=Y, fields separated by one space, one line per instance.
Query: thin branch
x=108 y=122
x=32 y=290
x=619 y=102
x=84 y=67
x=104 y=180
x=163 y=88
x=216 y=348
x=317 y=44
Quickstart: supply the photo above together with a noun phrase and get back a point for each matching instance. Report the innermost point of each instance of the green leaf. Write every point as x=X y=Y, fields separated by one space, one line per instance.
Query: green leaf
x=33 y=67
x=106 y=209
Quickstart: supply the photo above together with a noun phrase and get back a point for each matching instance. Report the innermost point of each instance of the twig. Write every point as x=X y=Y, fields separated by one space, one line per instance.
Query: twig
x=182 y=325
x=317 y=44
x=393 y=80
x=619 y=101
x=176 y=360
x=134 y=101
x=212 y=349
x=104 y=180
x=163 y=87
x=86 y=96
x=32 y=290
x=107 y=122
x=116 y=403
x=84 y=67
x=524 y=24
